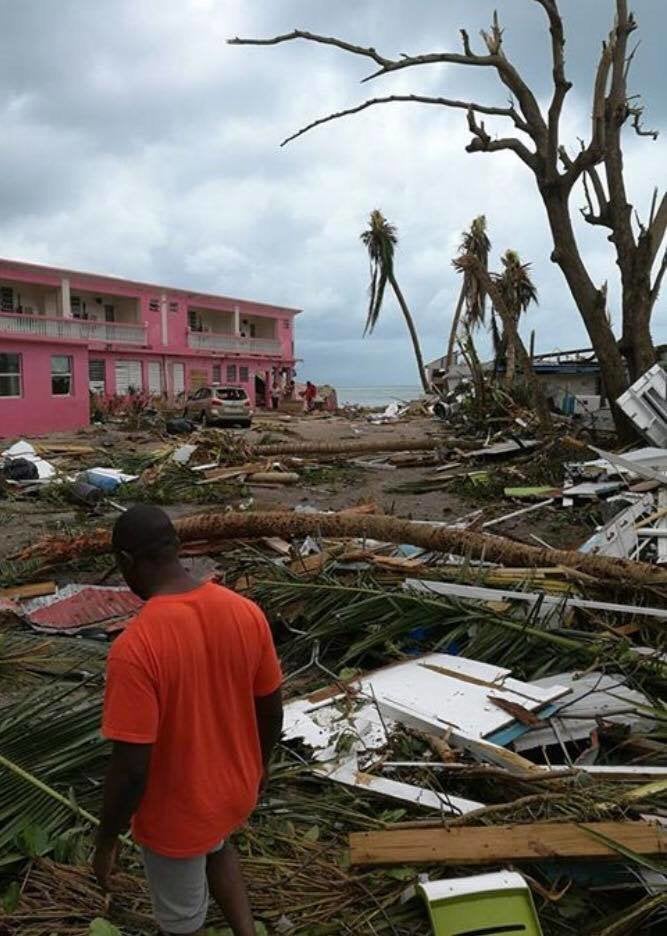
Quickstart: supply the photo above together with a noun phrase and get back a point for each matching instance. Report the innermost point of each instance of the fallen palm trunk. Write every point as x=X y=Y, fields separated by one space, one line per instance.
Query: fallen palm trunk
x=247 y=526
x=359 y=446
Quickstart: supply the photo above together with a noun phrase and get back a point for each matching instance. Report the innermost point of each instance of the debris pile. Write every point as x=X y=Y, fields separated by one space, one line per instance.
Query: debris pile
x=467 y=713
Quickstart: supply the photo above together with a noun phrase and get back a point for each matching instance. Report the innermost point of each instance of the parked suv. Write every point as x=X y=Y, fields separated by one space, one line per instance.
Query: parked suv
x=229 y=405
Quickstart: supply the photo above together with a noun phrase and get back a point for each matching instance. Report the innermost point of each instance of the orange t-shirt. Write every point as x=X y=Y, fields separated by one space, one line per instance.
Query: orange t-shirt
x=183 y=677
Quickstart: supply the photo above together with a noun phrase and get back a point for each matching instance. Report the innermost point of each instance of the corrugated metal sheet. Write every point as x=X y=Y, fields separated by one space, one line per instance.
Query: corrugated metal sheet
x=87 y=608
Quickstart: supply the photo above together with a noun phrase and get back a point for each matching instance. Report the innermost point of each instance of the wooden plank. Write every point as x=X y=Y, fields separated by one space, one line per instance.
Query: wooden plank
x=36 y=590
x=537 y=841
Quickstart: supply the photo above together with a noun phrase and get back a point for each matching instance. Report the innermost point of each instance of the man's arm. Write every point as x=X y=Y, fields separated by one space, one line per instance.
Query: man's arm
x=124 y=787
x=269 y=715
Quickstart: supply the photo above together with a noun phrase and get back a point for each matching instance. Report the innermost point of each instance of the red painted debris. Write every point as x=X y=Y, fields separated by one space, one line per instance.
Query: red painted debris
x=89 y=607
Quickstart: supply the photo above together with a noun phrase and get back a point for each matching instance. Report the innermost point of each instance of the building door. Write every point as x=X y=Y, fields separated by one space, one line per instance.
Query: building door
x=128 y=377
x=260 y=390
x=155 y=385
x=177 y=378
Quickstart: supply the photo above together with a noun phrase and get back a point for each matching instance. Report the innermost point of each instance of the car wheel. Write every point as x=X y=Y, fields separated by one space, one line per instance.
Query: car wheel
x=246 y=424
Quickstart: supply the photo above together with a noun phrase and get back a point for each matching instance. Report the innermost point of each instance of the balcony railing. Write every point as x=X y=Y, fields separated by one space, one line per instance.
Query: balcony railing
x=209 y=341
x=72 y=329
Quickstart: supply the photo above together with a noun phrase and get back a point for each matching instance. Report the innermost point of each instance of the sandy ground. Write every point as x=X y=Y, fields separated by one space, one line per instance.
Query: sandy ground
x=24 y=522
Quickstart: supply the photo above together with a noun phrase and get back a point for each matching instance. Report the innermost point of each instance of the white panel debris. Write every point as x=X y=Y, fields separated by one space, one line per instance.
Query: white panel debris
x=593 y=696
x=645 y=403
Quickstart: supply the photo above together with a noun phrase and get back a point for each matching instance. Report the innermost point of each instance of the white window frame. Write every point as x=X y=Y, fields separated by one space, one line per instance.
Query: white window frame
x=18 y=374
x=59 y=374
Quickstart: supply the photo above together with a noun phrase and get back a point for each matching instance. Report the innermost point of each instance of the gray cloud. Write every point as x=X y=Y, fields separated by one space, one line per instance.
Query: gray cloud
x=136 y=142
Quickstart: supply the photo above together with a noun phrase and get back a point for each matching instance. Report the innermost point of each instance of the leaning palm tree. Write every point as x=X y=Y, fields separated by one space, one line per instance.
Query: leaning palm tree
x=472 y=296
x=472 y=265
x=380 y=240
x=518 y=292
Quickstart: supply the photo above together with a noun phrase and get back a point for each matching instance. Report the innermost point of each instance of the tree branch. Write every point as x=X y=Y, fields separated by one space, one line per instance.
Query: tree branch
x=365 y=51
x=561 y=84
x=637 y=113
x=414 y=99
x=657 y=228
x=533 y=122
x=483 y=143
x=655 y=291
x=594 y=152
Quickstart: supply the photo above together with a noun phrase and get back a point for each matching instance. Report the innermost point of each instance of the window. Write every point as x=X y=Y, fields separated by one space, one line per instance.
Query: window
x=217 y=373
x=235 y=394
x=231 y=372
x=286 y=324
x=61 y=375
x=244 y=375
x=154 y=305
x=109 y=313
x=6 y=299
x=77 y=306
x=194 y=322
x=96 y=376
x=155 y=385
x=173 y=307
x=178 y=378
x=128 y=377
x=10 y=375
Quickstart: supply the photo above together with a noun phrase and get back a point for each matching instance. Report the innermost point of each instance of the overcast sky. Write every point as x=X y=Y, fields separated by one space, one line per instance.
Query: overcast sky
x=136 y=142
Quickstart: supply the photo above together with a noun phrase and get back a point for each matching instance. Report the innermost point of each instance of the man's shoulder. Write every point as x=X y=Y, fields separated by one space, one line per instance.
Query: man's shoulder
x=239 y=603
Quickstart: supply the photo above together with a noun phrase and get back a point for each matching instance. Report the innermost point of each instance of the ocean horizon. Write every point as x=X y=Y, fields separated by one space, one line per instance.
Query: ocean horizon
x=378 y=396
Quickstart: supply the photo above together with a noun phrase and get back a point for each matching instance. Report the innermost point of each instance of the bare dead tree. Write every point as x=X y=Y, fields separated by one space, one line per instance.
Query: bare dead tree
x=597 y=167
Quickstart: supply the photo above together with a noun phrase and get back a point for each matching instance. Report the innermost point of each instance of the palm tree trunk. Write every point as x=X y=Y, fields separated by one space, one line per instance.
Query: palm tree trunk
x=413 y=331
x=215 y=528
x=469 y=262
x=510 y=363
x=455 y=327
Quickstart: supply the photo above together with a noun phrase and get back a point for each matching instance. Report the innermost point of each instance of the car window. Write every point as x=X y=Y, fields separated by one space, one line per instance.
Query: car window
x=204 y=393
x=231 y=393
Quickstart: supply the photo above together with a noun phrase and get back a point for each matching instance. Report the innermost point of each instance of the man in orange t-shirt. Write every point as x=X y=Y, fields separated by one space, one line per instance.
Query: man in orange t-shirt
x=193 y=707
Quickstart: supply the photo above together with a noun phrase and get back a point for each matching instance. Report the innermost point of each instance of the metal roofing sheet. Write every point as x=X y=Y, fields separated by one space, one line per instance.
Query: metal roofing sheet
x=86 y=608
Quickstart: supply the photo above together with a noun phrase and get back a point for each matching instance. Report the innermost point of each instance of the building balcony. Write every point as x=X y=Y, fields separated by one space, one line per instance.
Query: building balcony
x=70 y=329
x=209 y=341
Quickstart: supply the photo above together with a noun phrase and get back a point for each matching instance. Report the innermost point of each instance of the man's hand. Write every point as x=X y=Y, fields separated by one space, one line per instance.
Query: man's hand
x=104 y=859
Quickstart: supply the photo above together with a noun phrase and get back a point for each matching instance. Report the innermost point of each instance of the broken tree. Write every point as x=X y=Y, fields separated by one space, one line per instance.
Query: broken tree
x=438 y=538
x=539 y=146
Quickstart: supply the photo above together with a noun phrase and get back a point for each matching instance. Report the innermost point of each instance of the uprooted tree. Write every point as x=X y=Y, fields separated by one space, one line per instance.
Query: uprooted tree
x=598 y=166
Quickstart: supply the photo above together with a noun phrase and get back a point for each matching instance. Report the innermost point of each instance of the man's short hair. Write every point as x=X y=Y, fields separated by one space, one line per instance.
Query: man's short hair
x=145 y=532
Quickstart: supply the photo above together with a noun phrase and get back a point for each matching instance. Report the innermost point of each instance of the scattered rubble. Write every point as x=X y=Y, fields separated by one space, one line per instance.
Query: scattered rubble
x=457 y=698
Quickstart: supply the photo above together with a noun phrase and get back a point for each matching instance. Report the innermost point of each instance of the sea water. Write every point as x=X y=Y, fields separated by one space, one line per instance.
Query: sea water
x=378 y=396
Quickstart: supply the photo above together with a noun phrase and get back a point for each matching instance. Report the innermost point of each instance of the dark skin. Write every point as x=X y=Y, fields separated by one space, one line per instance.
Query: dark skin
x=129 y=766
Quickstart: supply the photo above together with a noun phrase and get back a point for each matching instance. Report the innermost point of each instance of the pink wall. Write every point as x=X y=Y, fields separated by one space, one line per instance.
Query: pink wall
x=37 y=411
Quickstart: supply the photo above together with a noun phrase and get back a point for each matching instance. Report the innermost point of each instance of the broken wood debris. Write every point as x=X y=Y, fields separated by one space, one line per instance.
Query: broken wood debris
x=537 y=841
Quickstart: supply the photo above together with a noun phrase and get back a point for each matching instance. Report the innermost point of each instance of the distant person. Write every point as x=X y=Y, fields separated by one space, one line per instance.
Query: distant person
x=275 y=394
x=309 y=394
x=193 y=707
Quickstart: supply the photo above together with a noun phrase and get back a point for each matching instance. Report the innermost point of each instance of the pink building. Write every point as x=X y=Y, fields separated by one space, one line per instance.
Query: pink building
x=64 y=335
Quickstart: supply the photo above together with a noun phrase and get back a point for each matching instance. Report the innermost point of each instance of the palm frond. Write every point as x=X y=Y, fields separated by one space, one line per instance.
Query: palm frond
x=380 y=239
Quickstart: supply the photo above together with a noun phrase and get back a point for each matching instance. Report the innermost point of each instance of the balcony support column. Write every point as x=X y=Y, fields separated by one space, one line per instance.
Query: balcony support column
x=65 y=299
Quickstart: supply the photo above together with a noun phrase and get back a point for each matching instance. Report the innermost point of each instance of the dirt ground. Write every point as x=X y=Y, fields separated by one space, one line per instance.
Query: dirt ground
x=324 y=487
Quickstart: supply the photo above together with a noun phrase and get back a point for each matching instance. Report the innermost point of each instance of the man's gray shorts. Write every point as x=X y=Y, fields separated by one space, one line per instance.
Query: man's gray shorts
x=179 y=890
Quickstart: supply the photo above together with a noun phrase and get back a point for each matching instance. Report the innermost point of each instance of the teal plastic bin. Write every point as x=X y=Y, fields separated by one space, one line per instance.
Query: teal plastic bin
x=497 y=904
